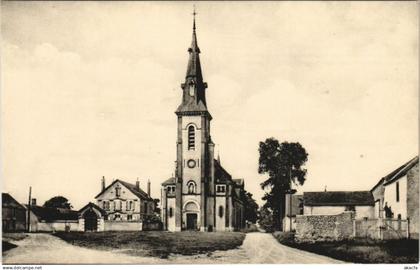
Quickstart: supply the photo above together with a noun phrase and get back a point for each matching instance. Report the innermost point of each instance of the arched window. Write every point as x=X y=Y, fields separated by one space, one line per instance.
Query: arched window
x=171 y=212
x=191 y=138
x=220 y=211
x=191 y=187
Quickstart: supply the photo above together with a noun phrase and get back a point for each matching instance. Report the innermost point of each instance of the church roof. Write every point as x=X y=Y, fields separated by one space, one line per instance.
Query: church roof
x=338 y=198
x=170 y=181
x=133 y=188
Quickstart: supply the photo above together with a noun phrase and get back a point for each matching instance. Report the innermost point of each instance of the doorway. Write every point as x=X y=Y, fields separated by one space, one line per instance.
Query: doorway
x=191 y=221
x=91 y=221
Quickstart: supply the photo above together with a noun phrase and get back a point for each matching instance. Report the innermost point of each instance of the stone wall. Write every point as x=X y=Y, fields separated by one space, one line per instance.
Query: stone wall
x=324 y=227
x=413 y=201
x=122 y=226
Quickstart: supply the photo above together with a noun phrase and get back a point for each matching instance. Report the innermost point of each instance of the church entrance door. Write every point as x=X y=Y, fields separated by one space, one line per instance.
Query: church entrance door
x=91 y=221
x=191 y=221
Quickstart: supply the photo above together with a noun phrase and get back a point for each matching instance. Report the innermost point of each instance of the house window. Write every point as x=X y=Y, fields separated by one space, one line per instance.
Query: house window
x=220 y=188
x=171 y=189
x=130 y=205
x=220 y=211
x=107 y=205
x=117 y=217
x=104 y=205
x=171 y=212
x=191 y=187
x=397 y=190
x=118 y=191
x=129 y=217
x=191 y=138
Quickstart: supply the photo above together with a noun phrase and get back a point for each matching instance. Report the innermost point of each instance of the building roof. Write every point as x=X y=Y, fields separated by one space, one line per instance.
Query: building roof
x=8 y=201
x=133 y=188
x=338 y=198
x=170 y=181
x=52 y=214
x=92 y=205
x=239 y=182
x=400 y=172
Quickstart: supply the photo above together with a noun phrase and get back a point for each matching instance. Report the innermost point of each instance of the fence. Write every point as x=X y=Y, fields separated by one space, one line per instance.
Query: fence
x=381 y=228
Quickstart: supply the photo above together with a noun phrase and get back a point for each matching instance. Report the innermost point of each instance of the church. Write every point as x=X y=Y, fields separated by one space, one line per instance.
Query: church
x=202 y=195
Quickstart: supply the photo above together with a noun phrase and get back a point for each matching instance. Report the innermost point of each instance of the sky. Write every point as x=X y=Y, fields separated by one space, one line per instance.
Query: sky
x=89 y=89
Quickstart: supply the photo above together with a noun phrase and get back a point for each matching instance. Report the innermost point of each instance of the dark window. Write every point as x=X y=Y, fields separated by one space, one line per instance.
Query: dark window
x=129 y=217
x=171 y=189
x=220 y=188
x=220 y=211
x=118 y=191
x=397 y=189
x=191 y=138
x=171 y=212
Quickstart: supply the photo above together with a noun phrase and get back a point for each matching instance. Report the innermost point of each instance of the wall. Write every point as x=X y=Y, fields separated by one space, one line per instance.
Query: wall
x=122 y=226
x=286 y=223
x=171 y=220
x=221 y=221
x=378 y=196
x=390 y=197
x=57 y=226
x=323 y=210
x=413 y=200
x=324 y=227
x=13 y=219
x=364 y=212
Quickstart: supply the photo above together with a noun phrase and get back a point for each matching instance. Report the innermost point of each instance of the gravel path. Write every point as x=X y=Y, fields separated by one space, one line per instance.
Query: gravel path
x=257 y=248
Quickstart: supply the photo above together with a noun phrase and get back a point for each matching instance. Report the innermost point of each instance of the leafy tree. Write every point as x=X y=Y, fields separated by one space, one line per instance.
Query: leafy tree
x=58 y=202
x=284 y=164
x=265 y=219
x=250 y=207
x=157 y=208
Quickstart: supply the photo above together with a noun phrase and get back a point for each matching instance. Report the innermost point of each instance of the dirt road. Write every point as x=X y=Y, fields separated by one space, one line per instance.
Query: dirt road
x=257 y=248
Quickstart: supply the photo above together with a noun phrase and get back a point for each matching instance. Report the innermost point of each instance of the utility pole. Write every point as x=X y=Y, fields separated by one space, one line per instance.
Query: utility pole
x=29 y=209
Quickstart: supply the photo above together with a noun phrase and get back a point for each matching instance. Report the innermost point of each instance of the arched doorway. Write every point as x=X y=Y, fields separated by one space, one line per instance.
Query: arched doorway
x=191 y=214
x=91 y=221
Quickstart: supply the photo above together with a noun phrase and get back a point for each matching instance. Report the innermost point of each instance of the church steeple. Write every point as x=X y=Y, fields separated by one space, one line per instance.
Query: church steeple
x=193 y=98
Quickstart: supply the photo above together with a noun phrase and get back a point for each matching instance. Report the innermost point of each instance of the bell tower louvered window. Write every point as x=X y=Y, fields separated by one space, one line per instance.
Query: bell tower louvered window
x=191 y=138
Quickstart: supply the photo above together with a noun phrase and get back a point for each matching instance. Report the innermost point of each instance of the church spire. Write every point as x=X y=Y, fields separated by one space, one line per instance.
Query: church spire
x=194 y=67
x=194 y=97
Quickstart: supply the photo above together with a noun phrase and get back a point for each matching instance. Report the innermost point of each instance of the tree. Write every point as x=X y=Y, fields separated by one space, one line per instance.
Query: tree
x=251 y=208
x=58 y=202
x=284 y=165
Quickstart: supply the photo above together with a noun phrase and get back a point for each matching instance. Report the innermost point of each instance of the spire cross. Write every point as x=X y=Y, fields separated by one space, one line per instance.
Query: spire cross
x=194 y=13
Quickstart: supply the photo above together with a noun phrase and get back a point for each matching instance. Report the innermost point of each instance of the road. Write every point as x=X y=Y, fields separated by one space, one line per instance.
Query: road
x=257 y=248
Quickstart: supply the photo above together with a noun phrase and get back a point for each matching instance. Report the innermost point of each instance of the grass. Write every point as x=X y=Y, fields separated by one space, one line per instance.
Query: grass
x=156 y=243
x=359 y=250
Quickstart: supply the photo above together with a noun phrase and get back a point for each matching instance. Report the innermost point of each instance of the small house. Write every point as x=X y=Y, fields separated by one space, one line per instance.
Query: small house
x=13 y=214
x=338 y=202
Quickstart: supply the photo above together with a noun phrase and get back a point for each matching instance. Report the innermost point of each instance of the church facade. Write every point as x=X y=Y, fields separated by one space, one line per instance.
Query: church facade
x=202 y=195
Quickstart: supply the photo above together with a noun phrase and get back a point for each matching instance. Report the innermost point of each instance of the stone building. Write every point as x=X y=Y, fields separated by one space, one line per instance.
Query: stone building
x=398 y=193
x=202 y=195
x=13 y=214
x=119 y=206
x=338 y=202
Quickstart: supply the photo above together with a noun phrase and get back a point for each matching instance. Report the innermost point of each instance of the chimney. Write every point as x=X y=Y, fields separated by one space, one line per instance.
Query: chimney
x=103 y=183
x=148 y=187
x=33 y=201
x=138 y=184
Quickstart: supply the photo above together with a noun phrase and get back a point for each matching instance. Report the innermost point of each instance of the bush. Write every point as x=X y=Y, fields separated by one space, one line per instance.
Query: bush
x=286 y=238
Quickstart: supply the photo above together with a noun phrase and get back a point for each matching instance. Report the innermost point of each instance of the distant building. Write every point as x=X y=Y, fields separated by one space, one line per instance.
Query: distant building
x=202 y=195
x=338 y=202
x=50 y=219
x=119 y=206
x=397 y=195
x=293 y=207
x=13 y=214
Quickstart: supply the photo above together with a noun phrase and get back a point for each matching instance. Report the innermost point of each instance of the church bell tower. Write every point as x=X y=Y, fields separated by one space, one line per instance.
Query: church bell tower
x=194 y=147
